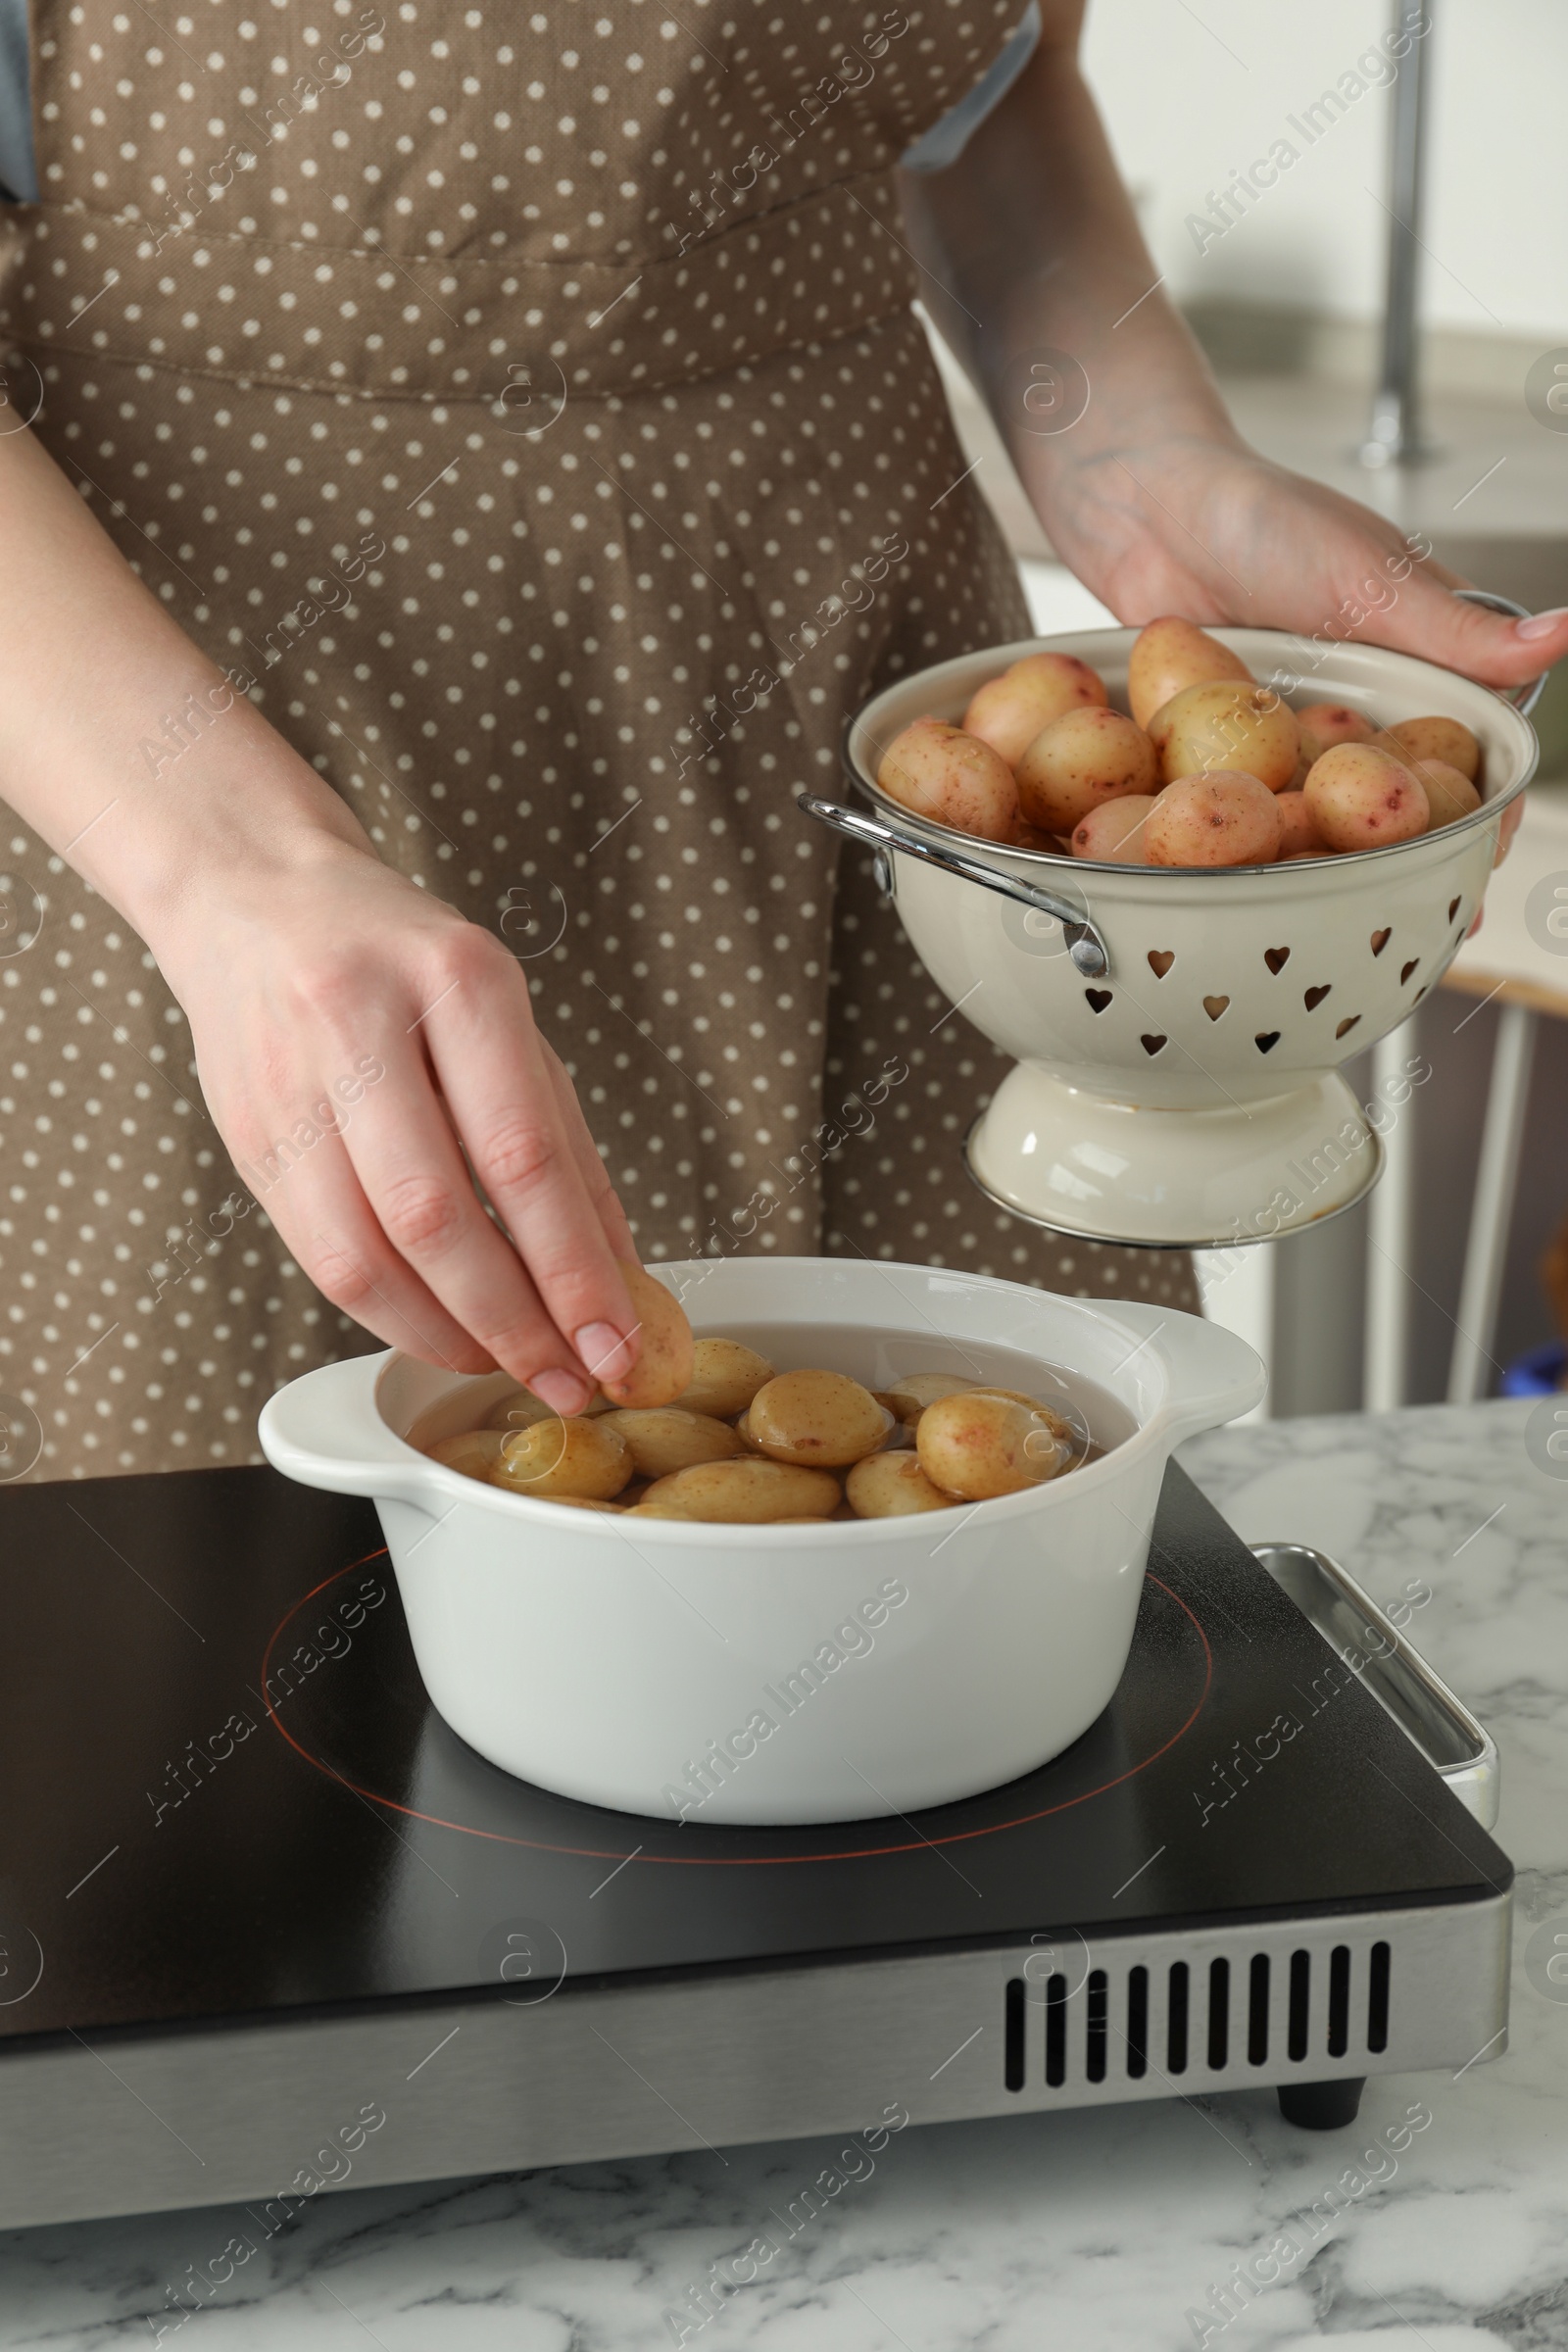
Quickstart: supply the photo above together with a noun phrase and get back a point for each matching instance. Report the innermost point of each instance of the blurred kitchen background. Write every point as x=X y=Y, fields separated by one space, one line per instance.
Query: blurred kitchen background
x=1290 y=306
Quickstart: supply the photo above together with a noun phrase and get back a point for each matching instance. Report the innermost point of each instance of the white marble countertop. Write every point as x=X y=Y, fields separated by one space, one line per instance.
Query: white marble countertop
x=1096 y=2231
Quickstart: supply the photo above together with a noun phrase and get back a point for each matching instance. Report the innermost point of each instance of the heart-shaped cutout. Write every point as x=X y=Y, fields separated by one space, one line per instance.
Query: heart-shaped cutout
x=1406 y=970
x=1344 y=1027
x=1161 y=960
x=1276 y=959
x=1099 y=999
x=1215 y=1006
x=1315 y=996
x=1268 y=1042
x=1153 y=1045
x=1380 y=940
x=1453 y=909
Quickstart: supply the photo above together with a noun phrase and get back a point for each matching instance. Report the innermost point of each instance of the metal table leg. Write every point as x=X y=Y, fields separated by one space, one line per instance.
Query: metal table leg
x=1491 y=1209
x=1390 y=1240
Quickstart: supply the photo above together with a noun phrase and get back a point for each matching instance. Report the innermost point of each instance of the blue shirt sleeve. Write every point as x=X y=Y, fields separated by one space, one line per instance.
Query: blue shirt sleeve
x=946 y=141
x=18 y=176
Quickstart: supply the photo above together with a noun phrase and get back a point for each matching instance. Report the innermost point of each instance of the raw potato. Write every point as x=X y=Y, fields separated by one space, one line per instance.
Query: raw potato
x=577 y=1459
x=1324 y=724
x=1449 y=793
x=1079 y=762
x=520 y=1410
x=749 y=1491
x=667 y=1438
x=952 y=778
x=663 y=1367
x=1025 y=836
x=887 y=1486
x=984 y=1444
x=1169 y=655
x=1361 y=798
x=1445 y=739
x=1297 y=832
x=1009 y=711
x=1242 y=729
x=1113 y=832
x=817 y=1418
x=725 y=1377
x=1217 y=819
x=473 y=1452
x=913 y=1392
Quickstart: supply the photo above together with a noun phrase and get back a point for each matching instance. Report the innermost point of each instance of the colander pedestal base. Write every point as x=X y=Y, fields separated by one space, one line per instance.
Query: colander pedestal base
x=1200 y=1179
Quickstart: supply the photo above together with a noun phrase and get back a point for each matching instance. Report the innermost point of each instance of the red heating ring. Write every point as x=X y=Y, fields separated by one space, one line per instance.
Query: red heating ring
x=594 y=1853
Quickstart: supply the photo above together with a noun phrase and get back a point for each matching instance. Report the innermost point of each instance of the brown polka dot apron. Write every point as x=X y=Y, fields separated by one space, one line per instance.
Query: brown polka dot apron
x=526 y=409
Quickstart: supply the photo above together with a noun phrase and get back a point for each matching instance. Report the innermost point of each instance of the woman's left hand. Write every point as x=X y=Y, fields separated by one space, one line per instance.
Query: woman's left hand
x=1208 y=529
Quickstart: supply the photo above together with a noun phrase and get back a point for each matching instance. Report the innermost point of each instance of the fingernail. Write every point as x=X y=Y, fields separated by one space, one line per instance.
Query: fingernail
x=600 y=1345
x=562 y=1392
x=1542 y=625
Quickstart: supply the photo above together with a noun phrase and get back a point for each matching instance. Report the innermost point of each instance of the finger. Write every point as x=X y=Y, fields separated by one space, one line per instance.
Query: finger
x=590 y=1160
x=1433 y=623
x=408 y=1161
x=319 y=1207
x=490 y=1065
x=603 y=1352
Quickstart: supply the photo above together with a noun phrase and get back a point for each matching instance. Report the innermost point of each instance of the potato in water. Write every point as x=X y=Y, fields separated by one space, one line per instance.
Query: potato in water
x=725 y=1377
x=566 y=1459
x=986 y=1442
x=821 y=1419
x=473 y=1452
x=665 y=1437
x=753 y=1493
x=888 y=1486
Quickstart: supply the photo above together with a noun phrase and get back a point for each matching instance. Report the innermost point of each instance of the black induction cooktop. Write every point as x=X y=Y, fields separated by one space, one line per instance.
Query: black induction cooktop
x=228 y=1797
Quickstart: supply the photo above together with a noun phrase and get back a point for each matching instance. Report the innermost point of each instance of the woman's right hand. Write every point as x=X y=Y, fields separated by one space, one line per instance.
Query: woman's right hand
x=355 y=1037
x=356 y=1040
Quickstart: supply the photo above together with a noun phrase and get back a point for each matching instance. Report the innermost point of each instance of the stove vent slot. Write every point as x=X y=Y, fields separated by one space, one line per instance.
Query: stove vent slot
x=1300 y=1998
x=1377 y=1999
x=1056 y=2031
x=1137 y=2023
x=1258 y=2010
x=1219 y=2013
x=1338 y=2000
x=1176 y=2020
x=1012 y=2035
x=1098 y=2019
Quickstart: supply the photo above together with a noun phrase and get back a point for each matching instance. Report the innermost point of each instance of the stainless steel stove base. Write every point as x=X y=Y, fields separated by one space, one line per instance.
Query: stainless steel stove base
x=263 y=2114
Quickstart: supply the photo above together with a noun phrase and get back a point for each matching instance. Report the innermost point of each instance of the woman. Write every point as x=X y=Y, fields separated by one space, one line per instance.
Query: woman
x=528 y=454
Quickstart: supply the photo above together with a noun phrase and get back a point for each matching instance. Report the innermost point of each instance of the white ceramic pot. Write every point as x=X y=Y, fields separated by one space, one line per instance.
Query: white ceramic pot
x=804 y=1674
x=1187 y=1091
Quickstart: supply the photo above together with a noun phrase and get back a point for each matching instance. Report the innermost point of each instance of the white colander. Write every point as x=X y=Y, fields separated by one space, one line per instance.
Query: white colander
x=1177 y=1034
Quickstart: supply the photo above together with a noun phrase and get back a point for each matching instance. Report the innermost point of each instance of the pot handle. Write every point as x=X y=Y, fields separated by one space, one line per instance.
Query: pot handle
x=1523 y=698
x=323 y=1430
x=1213 y=1375
x=1084 y=944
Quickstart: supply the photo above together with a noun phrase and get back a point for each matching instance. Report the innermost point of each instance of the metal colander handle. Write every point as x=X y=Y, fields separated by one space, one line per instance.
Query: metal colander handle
x=1085 y=944
x=1523 y=698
